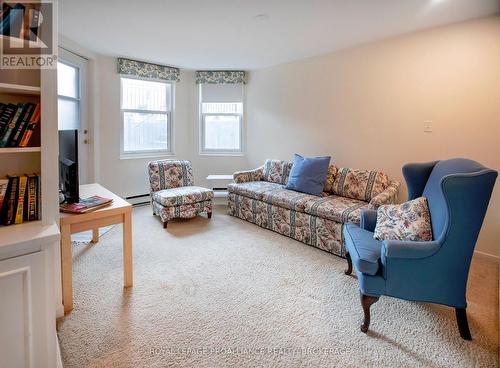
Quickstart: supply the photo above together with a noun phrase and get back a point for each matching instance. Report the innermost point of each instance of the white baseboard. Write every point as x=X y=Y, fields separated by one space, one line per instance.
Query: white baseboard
x=487 y=256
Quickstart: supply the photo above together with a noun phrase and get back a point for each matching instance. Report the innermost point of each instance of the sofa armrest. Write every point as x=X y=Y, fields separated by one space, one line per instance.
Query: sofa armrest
x=404 y=249
x=368 y=219
x=388 y=196
x=249 y=175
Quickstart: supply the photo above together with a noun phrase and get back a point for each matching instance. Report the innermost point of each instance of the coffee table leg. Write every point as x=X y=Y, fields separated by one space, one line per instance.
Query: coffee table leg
x=95 y=235
x=66 y=268
x=127 y=249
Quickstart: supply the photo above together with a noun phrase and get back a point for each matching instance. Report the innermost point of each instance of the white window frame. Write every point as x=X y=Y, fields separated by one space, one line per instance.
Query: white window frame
x=217 y=152
x=169 y=151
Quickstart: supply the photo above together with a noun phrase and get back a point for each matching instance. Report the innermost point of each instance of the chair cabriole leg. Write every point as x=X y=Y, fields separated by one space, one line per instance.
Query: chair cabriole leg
x=463 y=324
x=366 y=303
x=349 y=264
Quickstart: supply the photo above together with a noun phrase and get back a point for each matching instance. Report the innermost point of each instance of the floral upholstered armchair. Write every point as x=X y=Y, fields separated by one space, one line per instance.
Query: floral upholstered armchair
x=173 y=194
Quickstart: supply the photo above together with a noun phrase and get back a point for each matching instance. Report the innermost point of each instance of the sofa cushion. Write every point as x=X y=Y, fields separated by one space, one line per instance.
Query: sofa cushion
x=253 y=189
x=359 y=184
x=182 y=195
x=330 y=179
x=340 y=209
x=277 y=171
x=407 y=221
x=363 y=249
x=308 y=174
x=289 y=199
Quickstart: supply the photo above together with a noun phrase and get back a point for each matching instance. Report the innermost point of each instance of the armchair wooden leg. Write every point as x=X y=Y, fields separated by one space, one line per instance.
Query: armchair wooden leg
x=463 y=324
x=349 y=264
x=366 y=303
x=165 y=224
x=209 y=215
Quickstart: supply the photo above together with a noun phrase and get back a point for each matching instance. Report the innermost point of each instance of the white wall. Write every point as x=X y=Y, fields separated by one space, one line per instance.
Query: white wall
x=366 y=106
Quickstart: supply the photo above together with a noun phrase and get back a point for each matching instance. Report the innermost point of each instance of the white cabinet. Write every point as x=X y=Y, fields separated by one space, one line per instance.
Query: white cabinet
x=23 y=311
x=27 y=313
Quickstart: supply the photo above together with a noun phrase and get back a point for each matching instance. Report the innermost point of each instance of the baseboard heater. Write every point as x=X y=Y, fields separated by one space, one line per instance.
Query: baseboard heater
x=138 y=200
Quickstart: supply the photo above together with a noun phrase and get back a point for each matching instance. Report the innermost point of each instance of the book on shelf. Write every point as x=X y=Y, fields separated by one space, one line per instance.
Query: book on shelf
x=19 y=199
x=21 y=20
x=5 y=139
x=4 y=12
x=30 y=128
x=9 y=211
x=7 y=113
x=4 y=183
x=32 y=193
x=21 y=126
x=86 y=205
x=12 y=20
x=33 y=22
x=18 y=123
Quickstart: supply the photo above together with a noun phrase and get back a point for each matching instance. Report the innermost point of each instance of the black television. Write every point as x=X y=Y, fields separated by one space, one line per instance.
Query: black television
x=68 y=165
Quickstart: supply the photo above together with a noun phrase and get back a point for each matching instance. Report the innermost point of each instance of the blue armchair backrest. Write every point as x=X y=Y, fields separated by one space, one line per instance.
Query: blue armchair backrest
x=458 y=192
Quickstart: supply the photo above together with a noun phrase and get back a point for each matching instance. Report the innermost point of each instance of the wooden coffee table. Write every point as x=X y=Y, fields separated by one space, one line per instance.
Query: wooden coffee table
x=119 y=212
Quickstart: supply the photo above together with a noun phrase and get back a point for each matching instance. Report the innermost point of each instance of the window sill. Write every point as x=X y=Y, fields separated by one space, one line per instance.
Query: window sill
x=131 y=156
x=231 y=154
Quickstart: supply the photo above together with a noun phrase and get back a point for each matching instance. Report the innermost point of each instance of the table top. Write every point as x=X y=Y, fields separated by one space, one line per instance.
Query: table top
x=119 y=205
x=220 y=177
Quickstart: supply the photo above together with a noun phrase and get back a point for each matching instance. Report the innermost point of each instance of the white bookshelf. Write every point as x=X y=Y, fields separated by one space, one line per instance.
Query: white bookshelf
x=9 y=88
x=43 y=156
x=20 y=150
x=32 y=248
x=19 y=239
x=13 y=160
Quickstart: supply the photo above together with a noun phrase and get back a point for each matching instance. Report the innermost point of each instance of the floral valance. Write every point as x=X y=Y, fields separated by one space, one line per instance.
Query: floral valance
x=220 y=76
x=148 y=70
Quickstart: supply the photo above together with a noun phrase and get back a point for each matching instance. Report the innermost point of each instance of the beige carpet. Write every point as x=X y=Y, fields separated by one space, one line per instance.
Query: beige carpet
x=226 y=293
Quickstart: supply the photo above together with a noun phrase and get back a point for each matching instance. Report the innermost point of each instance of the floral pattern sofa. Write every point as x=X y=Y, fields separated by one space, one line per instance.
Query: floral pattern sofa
x=259 y=196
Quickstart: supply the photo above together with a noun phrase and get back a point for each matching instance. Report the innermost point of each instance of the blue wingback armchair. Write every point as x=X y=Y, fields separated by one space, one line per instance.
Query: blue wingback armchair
x=458 y=192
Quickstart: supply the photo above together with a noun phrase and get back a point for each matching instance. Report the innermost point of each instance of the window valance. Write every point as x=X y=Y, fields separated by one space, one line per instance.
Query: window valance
x=147 y=70
x=220 y=76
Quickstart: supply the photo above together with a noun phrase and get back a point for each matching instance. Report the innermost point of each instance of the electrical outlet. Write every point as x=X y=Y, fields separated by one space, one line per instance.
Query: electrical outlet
x=428 y=126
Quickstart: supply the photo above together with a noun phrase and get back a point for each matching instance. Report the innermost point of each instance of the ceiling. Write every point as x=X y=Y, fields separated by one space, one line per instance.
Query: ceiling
x=249 y=34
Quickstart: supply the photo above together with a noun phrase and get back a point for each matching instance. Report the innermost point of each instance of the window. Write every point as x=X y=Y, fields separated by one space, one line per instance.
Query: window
x=146 y=108
x=221 y=118
x=68 y=96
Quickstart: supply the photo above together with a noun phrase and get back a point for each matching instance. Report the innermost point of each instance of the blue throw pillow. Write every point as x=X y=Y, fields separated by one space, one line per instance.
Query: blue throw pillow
x=308 y=174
